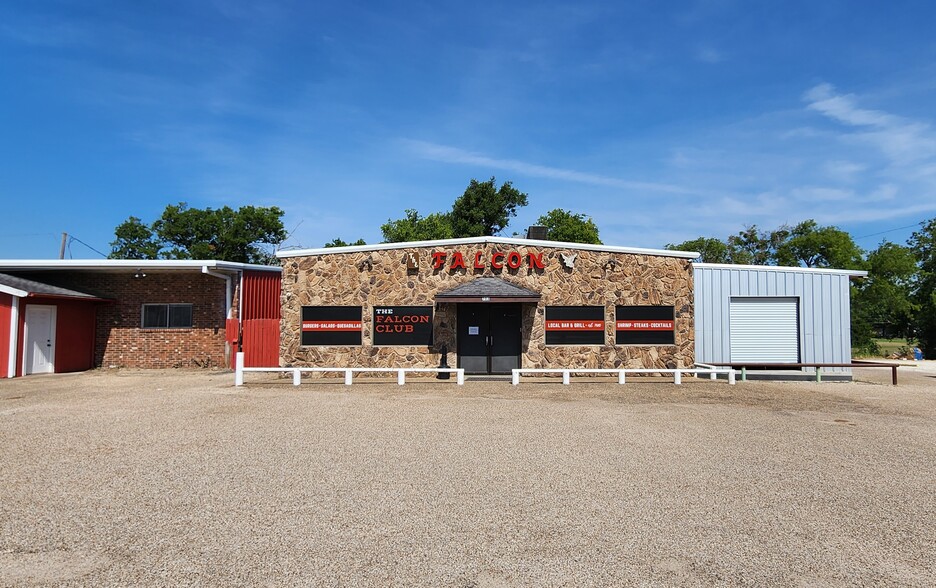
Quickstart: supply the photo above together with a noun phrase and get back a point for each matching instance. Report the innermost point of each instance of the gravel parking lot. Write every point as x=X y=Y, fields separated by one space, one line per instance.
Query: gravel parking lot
x=178 y=479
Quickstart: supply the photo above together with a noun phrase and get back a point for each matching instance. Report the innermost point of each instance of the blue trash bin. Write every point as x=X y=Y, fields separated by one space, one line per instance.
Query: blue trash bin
x=917 y=354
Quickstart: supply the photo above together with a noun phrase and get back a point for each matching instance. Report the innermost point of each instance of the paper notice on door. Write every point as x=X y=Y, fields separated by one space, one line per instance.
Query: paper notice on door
x=472 y=330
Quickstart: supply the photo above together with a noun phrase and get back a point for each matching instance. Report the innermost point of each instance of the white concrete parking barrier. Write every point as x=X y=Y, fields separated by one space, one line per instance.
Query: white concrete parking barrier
x=621 y=373
x=297 y=372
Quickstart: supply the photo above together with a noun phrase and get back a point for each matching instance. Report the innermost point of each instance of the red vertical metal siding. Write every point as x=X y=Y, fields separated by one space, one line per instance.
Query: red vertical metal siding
x=74 y=336
x=261 y=295
x=20 y=334
x=74 y=333
x=261 y=342
x=6 y=315
x=261 y=319
x=232 y=333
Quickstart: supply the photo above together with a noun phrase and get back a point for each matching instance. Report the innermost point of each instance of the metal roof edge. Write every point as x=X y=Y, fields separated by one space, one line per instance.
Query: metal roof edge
x=13 y=291
x=783 y=268
x=130 y=264
x=486 y=240
x=26 y=288
x=492 y=283
x=69 y=297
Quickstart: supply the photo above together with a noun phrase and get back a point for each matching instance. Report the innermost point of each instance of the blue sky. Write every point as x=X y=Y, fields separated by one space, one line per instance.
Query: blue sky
x=663 y=121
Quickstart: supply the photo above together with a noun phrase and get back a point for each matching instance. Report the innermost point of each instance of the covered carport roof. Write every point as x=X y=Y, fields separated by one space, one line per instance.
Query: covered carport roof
x=24 y=288
x=124 y=265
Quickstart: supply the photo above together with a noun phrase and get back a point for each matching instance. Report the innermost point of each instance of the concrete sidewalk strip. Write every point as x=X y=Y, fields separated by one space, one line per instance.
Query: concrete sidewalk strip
x=166 y=478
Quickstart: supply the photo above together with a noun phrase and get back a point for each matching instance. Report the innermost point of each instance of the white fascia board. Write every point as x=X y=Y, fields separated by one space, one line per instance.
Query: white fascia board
x=14 y=331
x=782 y=268
x=228 y=287
x=15 y=292
x=484 y=241
x=232 y=265
x=130 y=264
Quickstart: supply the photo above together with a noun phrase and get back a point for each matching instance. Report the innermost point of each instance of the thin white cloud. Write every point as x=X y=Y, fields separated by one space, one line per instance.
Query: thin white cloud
x=883 y=193
x=823 y=99
x=872 y=214
x=709 y=55
x=905 y=142
x=802 y=133
x=822 y=194
x=45 y=33
x=447 y=154
x=843 y=171
x=238 y=10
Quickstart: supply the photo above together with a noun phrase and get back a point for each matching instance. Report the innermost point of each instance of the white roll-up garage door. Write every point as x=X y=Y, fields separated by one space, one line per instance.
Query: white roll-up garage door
x=764 y=329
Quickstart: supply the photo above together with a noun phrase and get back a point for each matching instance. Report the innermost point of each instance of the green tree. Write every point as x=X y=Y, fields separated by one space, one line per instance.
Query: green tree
x=710 y=250
x=810 y=245
x=569 y=227
x=413 y=227
x=134 y=240
x=245 y=235
x=923 y=245
x=883 y=304
x=336 y=242
x=753 y=246
x=484 y=209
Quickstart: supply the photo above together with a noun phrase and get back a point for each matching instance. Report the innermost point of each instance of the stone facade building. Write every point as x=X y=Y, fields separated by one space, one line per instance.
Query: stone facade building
x=493 y=303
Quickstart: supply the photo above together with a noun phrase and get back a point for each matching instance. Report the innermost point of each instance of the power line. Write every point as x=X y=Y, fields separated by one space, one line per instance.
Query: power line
x=17 y=235
x=888 y=231
x=73 y=238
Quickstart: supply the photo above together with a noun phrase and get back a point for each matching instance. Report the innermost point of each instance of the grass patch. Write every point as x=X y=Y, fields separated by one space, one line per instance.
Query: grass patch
x=887 y=347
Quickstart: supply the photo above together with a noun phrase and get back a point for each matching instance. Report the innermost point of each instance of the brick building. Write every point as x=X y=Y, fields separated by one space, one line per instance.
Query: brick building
x=71 y=315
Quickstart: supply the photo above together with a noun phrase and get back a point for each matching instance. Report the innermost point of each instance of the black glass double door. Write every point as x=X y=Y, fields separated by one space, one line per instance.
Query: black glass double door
x=489 y=337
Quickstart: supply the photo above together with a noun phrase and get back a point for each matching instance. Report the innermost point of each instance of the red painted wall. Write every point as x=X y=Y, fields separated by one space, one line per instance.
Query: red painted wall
x=261 y=295
x=6 y=312
x=74 y=334
x=20 y=346
x=261 y=319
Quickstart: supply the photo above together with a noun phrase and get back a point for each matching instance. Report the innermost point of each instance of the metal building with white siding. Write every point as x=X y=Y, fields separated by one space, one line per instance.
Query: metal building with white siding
x=751 y=313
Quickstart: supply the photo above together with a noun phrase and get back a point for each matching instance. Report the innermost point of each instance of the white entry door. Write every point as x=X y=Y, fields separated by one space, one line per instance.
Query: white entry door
x=39 y=337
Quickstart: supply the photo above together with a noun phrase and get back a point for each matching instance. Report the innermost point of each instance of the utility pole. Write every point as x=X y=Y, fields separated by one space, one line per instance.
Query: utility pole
x=62 y=248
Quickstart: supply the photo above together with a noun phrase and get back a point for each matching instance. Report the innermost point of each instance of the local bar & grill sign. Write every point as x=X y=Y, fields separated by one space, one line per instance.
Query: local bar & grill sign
x=494 y=303
x=634 y=325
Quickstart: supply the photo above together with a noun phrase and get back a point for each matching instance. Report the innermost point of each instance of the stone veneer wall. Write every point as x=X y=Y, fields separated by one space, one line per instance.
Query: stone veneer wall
x=381 y=278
